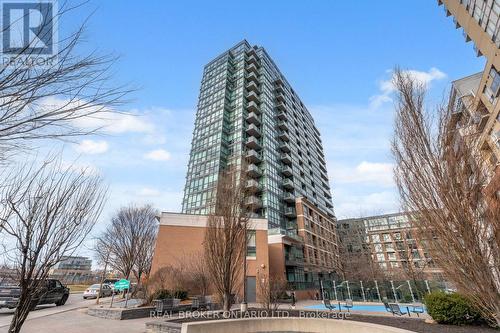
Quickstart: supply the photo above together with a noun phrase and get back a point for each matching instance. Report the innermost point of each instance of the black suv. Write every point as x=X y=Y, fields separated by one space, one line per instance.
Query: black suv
x=53 y=291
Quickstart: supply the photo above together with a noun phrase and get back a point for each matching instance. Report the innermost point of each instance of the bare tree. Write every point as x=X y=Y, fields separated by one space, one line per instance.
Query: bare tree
x=196 y=272
x=46 y=102
x=225 y=237
x=441 y=176
x=129 y=240
x=272 y=288
x=356 y=255
x=46 y=214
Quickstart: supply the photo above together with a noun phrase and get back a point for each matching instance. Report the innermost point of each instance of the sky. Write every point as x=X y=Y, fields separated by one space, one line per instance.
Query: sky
x=338 y=56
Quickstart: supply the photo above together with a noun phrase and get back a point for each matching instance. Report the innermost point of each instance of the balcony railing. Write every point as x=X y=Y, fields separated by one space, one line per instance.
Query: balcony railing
x=253 y=156
x=289 y=197
x=253 y=107
x=252 y=96
x=252 y=68
x=253 y=130
x=288 y=184
x=253 y=185
x=285 y=158
x=284 y=147
x=252 y=86
x=252 y=76
x=287 y=171
x=253 y=143
x=253 y=118
x=283 y=125
x=253 y=171
x=283 y=135
x=253 y=201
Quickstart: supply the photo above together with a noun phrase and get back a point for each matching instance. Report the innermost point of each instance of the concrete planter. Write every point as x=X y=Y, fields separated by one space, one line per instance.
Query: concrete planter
x=120 y=313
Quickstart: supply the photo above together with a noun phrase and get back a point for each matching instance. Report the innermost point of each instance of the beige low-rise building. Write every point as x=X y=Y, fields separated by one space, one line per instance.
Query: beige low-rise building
x=479 y=93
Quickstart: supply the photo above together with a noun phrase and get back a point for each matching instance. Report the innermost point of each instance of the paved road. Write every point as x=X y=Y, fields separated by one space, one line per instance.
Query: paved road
x=75 y=301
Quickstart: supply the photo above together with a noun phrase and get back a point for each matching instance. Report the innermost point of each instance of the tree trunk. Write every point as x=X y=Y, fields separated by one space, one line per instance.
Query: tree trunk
x=21 y=313
x=226 y=306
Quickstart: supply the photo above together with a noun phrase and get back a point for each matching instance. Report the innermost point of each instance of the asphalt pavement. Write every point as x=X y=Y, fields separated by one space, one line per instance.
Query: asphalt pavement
x=74 y=302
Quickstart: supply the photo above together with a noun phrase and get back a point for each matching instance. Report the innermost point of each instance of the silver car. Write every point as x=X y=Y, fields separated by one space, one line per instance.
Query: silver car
x=93 y=291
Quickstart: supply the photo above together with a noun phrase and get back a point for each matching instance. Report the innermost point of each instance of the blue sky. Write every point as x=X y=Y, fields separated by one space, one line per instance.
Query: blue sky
x=338 y=56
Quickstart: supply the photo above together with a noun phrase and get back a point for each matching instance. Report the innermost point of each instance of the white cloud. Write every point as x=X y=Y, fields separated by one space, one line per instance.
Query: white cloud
x=375 y=203
x=116 y=123
x=368 y=173
x=386 y=87
x=149 y=192
x=158 y=155
x=104 y=119
x=92 y=147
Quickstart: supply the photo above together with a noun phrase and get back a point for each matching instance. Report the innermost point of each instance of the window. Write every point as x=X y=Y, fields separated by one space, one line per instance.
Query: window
x=495 y=81
x=251 y=244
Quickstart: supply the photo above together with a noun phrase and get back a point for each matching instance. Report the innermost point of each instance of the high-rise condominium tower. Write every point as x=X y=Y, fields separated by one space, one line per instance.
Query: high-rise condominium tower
x=247 y=109
x=480 y=93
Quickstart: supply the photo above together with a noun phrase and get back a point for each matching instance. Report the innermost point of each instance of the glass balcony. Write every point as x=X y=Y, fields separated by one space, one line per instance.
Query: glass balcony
x=251 y=52
x=290 y=212
x=253 y=201
x=280 y=98
x=282 y=115
x=252 y=86
x=288 y=184
x=253 y=60
x=253 y=107
x=253 y=185
x=252 y=96
x=252 y=77
x=252 y=68
x=253 y=143
x=287 y=171
x=283 y=125
x=253 y=171
x=285 y=158
x=253 y=118
x=281 y=107
x=253 y=156
x=289 y=197
x=283 y=135
x=284 y=147
x=253 y=130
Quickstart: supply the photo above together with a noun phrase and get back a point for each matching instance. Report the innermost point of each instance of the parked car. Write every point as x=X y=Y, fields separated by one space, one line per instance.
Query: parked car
x=111 y=283
x=93 y=291
x=52 y=291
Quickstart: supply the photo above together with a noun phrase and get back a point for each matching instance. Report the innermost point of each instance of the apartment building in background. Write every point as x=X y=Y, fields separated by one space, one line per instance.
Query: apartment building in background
x=73 y=269
x=250 y=118
x=384 y=247
x=479 y=93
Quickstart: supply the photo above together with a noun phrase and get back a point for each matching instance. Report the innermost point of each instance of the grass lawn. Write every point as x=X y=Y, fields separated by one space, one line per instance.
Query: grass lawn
x=76 y=288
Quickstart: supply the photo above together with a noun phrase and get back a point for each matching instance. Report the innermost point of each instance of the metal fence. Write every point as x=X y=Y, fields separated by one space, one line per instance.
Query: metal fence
x=376 y=291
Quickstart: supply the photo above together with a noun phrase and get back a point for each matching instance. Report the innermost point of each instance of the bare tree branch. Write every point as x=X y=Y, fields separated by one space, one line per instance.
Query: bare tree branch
x=441 y=176
x=46 y=214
